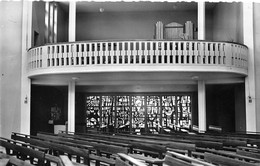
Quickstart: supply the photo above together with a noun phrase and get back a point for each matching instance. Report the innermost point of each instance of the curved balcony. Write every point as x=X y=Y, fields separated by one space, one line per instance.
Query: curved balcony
x=139 y=56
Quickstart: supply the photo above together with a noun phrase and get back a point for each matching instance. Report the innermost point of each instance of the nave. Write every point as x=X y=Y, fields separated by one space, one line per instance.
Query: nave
x=117 y=149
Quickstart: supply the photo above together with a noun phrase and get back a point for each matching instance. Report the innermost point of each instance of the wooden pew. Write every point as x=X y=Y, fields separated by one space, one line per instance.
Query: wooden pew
x=77 y=137
x=54 y=146
x=248 y=153
x=6 y=143
x=157 y=139
x=172 y=157
x=149 y=147
x=202 y=141
x=232 y=155
x=100 y=149
x=126 y=160
x=222 y=160
x=13 y=160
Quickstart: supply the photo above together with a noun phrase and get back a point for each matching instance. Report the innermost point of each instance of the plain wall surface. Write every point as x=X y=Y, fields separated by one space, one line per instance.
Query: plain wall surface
x=126 y=25
x=257 y=61
x=228 y=22
x=10 y=64
x=62 y=26
x=38 y=22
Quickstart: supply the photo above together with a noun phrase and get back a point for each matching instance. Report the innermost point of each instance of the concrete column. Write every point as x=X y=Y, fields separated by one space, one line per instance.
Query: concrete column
x=201 y=21
x=202 y=105
x=72 y=21
x=71 y=106
x=25 y=81
x=250 y=88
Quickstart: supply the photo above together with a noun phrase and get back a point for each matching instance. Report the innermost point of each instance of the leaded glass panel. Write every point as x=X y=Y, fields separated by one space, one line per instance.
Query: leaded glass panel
x=169 y=112
x=153 y=113
x=123 y=113
x=108 y=111
x=138 y=112
x=92 y=111
x=184 y=110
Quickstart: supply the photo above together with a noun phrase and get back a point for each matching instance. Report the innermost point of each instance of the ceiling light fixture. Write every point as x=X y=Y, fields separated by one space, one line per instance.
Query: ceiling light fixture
x=101 y=10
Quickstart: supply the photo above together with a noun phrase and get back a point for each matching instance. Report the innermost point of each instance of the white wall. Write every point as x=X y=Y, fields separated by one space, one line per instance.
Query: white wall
x=227 y=22
x=10 y=63
x=257 y=61
x=126 y=25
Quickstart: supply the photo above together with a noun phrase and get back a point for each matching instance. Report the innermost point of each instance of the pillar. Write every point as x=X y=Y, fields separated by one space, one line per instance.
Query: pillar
x=250 y=88
x=201 y=21
x=202 y=105
x=72 y=21
x=25 y=81
x=71 y=106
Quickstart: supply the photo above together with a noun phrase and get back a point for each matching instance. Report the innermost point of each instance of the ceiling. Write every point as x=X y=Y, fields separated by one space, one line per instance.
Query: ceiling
x=124 y=6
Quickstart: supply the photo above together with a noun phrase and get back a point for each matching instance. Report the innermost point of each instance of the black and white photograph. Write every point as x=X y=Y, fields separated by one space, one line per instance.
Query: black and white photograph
x=129 y=83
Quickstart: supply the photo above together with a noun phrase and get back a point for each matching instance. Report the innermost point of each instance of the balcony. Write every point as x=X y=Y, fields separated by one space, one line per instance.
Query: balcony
x=138 y=56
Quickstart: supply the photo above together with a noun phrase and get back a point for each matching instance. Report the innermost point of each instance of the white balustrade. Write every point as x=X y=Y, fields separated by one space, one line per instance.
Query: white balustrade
x=144 y=52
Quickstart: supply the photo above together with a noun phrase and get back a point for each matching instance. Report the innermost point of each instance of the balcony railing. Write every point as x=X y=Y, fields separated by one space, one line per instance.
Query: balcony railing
x=139 y=53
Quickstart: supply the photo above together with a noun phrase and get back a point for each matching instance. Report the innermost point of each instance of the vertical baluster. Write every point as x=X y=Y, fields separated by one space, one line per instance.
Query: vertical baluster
x=62 y=55
x=174 y=52
x=36 y=57
x=134 y=52
x=217 y=53
x=245 y=54
x=140 y=51
x=151 y=52
x=212 y=53
x=220 y=54
x=239 y=58
x=180 y=52
x=44 y=56
x=117 y=52
x=234 y=55
x=91 y=57
x=163 y=61
x=95 y=53
x=57 y=57
x=79 y=52
x=32 y=56
x=145 y=51
x=112 y=52
x=168 y=52
x=191 y=52
x=128 y=52
x=30 y=59
x=48 y=58
x=37 y=54
x=184 y=52
x=200 y=52
x=206 y=53
x=195 y=52
x=40 y=58
x=101 y=52
x=123 y=53
x=106 y=53
x=156 y=52
x=72 y=54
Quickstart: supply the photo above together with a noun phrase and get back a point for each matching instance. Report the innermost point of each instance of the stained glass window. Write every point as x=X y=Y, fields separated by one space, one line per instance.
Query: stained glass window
x=146 y=113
